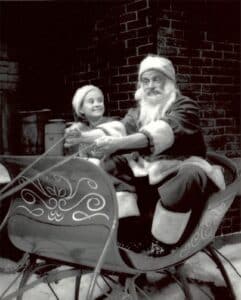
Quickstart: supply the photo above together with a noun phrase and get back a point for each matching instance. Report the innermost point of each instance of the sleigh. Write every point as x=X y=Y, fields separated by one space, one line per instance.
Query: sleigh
x=64 y=212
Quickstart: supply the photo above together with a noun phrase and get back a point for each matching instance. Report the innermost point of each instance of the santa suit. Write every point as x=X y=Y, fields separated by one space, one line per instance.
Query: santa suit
x=173 y=164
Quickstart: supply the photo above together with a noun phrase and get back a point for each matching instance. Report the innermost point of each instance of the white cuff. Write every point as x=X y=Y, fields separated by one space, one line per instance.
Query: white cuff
x=168 y=226
x=127 y=204
x=162 y=135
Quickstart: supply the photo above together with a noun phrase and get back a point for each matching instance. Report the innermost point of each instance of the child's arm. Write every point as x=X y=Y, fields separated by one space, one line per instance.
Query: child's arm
x=76 y=136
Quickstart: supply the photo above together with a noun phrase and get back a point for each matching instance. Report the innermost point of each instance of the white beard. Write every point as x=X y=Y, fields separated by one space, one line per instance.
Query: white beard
x=153 y=107
x=148 y=112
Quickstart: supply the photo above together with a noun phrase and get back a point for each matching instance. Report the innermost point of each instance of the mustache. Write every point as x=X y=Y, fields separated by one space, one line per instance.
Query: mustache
x=153 y=91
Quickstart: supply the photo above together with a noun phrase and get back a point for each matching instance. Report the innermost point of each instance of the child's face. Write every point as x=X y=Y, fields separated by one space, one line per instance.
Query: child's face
x=93 y=105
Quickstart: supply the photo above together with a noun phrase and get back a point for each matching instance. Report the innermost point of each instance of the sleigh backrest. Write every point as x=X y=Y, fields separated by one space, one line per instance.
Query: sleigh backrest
x=68 y=195
x=67 y=214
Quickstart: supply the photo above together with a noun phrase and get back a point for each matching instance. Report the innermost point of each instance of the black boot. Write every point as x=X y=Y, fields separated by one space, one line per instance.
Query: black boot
x=158 y=249
x=133 y=234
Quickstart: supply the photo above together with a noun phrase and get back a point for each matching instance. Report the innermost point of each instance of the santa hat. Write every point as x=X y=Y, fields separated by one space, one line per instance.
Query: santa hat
x=79 y=97
x=155 y=62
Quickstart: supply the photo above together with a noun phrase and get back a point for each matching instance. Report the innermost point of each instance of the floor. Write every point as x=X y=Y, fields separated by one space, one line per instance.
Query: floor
x=207 y=282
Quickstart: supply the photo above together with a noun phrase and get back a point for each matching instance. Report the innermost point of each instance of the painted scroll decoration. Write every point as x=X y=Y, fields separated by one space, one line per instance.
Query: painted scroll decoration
x=207 y=229
x=54 y=199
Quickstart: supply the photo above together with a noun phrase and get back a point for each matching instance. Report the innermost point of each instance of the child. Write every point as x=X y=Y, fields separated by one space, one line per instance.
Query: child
x=89 y=108
x=88 y=105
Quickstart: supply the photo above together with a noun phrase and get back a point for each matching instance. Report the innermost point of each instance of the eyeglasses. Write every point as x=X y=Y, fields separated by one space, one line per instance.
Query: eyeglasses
x=156 y=80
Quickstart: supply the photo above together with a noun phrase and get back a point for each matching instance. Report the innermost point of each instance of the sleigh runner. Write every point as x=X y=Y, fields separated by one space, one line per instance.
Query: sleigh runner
x=68 y=215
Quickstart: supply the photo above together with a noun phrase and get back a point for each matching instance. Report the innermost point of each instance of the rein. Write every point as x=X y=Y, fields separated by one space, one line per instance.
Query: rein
x=29 y=180
x=31 y=165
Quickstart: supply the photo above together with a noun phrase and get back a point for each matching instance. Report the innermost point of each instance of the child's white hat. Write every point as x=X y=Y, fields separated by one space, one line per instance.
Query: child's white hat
x=79 y=97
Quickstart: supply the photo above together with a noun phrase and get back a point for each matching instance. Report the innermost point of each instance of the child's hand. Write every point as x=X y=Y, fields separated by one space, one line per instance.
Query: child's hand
x=107 y=145
x=73 y=130
x=72 y=136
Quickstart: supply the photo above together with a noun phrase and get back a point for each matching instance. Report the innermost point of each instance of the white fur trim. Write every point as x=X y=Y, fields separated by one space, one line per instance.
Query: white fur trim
x=127 y=204
x=162 y=134
x=168 y=226
x=158 y=170
x=94 y=161
x=214 y=172
x=139 y=94
x=157 y=63
x=114 y=128
x=138 y=167
x=4 y=175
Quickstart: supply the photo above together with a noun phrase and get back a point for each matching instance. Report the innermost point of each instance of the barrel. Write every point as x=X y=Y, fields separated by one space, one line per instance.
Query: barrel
x=32 y=130
x=54 y=133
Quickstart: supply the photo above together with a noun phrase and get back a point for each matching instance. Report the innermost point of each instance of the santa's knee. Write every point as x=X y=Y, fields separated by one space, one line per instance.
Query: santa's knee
x=193 y=175
x=178 y=197
x=184 y=190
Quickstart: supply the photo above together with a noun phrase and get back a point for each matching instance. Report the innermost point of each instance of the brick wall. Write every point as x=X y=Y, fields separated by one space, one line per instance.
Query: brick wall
x=208 y=68
x=118 y=42
x=207 y=65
